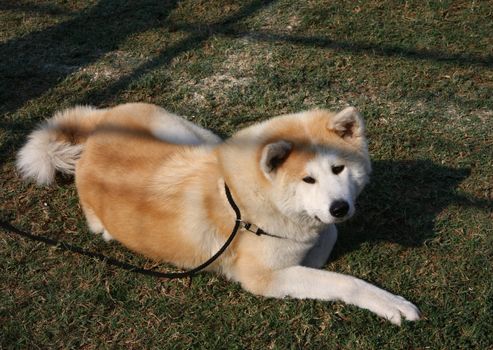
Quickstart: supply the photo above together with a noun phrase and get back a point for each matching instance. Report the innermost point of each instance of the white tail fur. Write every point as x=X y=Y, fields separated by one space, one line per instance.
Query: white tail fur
x=48 y=148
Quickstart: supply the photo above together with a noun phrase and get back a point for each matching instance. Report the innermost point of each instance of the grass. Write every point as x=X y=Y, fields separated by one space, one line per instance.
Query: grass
x=421 y=72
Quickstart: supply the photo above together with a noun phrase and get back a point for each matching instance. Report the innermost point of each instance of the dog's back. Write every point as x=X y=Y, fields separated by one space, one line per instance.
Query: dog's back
x=58 y=142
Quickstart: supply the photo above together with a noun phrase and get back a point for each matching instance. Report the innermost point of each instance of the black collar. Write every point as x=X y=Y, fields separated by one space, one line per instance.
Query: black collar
x=243 y=224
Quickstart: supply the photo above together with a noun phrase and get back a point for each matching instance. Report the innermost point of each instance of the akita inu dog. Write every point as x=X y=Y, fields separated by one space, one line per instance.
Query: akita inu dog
x=156 y=183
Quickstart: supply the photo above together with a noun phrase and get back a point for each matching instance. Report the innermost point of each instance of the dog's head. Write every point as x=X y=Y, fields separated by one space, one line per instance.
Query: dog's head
x=318 y=168
x=311 y=165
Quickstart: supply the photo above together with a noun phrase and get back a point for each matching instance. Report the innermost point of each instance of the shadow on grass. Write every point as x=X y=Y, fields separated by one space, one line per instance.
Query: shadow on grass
x=192 y=42
x=36 y=62
x=45 y=9
x=458 y=59
x=379 y=50
x=402 y=202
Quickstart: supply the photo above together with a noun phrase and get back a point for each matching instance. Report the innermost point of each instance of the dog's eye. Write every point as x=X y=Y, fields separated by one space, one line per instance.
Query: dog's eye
x=309 y=180
x=337 y=169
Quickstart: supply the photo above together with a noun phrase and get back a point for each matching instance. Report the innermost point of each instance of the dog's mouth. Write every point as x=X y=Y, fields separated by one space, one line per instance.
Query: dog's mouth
x=333 y=221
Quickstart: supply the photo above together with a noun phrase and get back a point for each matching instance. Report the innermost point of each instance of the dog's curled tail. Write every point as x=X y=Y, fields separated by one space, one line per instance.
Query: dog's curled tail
x=57 y=144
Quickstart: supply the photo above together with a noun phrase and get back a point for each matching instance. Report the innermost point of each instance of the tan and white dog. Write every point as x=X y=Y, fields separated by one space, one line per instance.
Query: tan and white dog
x=156 y=183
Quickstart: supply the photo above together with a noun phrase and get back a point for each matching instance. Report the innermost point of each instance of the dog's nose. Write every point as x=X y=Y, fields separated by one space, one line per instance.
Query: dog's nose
x=339 y=208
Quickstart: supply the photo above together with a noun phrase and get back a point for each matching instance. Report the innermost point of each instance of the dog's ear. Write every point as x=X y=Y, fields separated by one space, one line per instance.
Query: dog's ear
x=273 y=155
x=349 y=125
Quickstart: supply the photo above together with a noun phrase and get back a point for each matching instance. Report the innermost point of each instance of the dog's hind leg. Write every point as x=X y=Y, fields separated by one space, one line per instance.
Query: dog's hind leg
x=318 y=255
x=95 y=225
x=107 y=236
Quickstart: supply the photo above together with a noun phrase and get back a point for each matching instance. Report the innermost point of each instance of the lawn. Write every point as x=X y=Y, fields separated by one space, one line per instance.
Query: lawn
x=421 y=72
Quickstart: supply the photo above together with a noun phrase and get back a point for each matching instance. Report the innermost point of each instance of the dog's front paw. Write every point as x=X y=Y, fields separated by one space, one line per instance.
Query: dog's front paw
x=399 y=308
x=392 y=307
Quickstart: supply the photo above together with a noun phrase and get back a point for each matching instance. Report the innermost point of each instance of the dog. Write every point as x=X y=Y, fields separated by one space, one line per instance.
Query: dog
x=155 y=182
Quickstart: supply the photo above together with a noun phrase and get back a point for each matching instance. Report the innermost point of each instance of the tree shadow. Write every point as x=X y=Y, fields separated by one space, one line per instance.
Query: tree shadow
x=45 y=9
x=402 y=202
x=459 y=59
x=385 y=50
x=194 y=41
x=34 y=63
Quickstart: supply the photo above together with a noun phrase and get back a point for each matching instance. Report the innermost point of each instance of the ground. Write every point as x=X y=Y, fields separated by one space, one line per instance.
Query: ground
x=420 y=72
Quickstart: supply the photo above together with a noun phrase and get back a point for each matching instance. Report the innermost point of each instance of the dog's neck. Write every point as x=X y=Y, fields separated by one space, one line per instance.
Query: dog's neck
x=260 y=212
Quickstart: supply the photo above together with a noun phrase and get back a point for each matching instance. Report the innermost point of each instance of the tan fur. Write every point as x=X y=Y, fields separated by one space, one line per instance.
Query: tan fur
x=140 y=208
x=137 y=185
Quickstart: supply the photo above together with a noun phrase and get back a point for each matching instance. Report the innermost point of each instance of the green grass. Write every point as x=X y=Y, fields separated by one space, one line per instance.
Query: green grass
x=420 y=71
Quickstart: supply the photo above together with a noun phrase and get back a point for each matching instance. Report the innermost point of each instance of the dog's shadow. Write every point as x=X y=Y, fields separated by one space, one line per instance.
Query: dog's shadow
x=401 y=204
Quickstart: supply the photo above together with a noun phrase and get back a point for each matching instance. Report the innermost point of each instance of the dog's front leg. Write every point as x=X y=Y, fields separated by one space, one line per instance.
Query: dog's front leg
x=307 y=283
x=318 y=255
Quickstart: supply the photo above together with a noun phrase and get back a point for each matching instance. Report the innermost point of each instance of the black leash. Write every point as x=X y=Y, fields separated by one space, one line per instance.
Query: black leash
x=71 y=248
x=132 y=268
x=126 y=266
